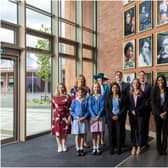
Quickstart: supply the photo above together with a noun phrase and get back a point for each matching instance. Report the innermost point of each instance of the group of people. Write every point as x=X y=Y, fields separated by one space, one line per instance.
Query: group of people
x=84 y=111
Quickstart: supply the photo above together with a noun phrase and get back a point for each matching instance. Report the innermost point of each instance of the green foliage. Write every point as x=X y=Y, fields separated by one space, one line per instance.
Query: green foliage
x=45 y=62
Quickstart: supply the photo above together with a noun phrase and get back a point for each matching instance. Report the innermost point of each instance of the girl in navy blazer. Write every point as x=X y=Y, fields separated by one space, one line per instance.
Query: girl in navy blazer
x=115 y=105
x=96 y=107
x=160 y=111
x=79 y=113
x=136 y=112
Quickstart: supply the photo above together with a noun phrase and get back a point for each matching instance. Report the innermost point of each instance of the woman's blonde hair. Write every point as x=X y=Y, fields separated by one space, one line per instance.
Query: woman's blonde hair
x=139 y=87
x=96 y=83
x=80 y=76
x=57 y=93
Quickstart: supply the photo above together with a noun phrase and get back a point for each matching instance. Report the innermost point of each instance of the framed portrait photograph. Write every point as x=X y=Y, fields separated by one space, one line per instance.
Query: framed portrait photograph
x=129 y=54
x=145 y=15
x=162 y=48
x=129 y=21
x=128 y=78
x=145 y=51
x=162 y=12
x=149 y=77
x=164 y=74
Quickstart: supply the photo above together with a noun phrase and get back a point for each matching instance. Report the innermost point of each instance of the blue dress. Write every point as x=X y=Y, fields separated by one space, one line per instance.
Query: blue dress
x=79 y=109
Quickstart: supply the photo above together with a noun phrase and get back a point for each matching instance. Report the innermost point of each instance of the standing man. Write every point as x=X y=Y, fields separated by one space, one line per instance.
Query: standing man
x=124 y=89
x=146 y=88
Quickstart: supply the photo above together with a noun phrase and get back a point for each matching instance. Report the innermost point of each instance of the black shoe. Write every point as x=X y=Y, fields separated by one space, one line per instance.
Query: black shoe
x=160 y=153
x=164 y=152
x=94 y=152
x=147 y=146
x=119 y=152
x=112 y=151
x=78 y=153
x=98 y=152
x=82 y=152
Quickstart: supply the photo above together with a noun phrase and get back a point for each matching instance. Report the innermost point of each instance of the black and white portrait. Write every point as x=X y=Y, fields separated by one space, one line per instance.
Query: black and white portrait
x=129 y=54
x=145 y=52
x=145 y=15
x=128 y=78
x=129 y=21
x=162 y=48
x=162 y=12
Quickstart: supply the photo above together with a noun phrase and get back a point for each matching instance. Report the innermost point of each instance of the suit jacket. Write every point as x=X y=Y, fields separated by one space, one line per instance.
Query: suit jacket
x=140 y=105
x=157 y=109
x=109 y=107
x=147 y=95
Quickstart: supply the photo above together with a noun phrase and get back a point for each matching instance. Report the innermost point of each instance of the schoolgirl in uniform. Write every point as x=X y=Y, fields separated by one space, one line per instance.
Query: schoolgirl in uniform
x=79 y=113
x=96 y=107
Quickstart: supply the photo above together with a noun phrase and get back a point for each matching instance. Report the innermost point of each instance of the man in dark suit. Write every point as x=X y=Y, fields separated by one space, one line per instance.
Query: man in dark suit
x=124 y=88
x=146 y=88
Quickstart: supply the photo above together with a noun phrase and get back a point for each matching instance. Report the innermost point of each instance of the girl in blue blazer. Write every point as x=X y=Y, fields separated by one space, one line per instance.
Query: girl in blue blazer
x=96 y=107
x=79 y=113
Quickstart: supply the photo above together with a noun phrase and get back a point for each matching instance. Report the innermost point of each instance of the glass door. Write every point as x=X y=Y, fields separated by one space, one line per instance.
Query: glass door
x=8 y=99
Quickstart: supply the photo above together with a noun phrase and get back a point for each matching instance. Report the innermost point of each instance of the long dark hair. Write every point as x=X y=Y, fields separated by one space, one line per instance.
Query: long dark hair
x=164 y=79
x=110 y=91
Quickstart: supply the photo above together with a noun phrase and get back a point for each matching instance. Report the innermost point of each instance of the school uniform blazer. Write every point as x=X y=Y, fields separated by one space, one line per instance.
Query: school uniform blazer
x=96 y=107
x=79 y=109
x=109 y=106
x=156 y=101
x=140 y=105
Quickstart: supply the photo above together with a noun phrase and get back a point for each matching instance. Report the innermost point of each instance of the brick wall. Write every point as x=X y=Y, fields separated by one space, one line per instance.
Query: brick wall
x=111 y=39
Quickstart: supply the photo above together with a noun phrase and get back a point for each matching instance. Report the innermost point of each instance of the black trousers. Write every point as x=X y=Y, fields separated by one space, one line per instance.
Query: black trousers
x=114 y=128
x=136 y=130
x=123 y=129
x=146 y=119
x=161 y=133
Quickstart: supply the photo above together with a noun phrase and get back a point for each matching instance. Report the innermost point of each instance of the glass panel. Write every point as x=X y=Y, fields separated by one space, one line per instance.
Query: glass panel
x=45 y=5
x=67 y=31
x=7 y=35
x=87 y=14
x=67 y=49
x=37 y=42
x=87 y=53
x=87 y=72
x=67 y=10
x=6 y=8
x=7 y=97
x=87 y=38
x=38 y=21
x=38 y=92
x=67 y=72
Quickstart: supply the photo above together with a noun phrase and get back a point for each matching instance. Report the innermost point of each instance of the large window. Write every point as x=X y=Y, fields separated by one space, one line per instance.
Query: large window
x=8 y=11
x=7 y=35
x=38 y=91
x=38 y=21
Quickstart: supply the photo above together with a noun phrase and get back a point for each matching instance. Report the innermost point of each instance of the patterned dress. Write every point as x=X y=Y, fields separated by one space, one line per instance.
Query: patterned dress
x=60 y=124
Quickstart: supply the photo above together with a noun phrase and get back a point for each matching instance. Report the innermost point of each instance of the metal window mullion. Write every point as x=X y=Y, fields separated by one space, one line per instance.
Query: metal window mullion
x=94 y=42
x=55 y=46
x=79 y=37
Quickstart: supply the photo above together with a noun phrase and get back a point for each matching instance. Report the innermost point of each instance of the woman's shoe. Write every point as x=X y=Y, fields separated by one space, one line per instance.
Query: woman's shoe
x=94 y=152
x=59 y=148
x=133 y=151
x=64 y=148
x=138 y=150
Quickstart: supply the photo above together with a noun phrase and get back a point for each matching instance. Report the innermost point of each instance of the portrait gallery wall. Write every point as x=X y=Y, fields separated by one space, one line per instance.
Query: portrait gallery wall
x=145 y=34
